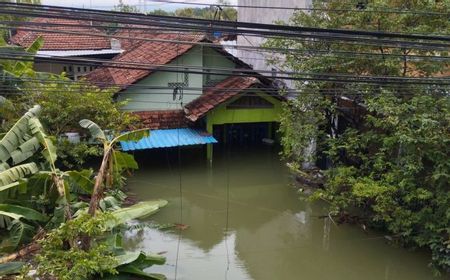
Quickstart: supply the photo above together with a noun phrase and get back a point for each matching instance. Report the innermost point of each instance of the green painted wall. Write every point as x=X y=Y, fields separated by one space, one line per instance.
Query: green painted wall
x=222 y=115
x=212 y=58
x=144 y=99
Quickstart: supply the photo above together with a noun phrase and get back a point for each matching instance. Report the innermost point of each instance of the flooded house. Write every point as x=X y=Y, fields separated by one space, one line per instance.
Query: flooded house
x=190 y=91
x=185 y=87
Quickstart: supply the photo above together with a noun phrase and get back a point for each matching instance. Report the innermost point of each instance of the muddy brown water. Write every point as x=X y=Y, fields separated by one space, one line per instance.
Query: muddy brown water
x=246 y=221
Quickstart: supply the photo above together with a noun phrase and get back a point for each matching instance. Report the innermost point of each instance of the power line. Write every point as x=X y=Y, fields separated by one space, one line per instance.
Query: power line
x=212 y=45
x=268 y=34
x=388 y=11
x=232 y=71
x=206 y=87
x=199 y=23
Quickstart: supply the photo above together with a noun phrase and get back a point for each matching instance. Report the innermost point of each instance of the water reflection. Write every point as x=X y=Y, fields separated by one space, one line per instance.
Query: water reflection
x=271 y=234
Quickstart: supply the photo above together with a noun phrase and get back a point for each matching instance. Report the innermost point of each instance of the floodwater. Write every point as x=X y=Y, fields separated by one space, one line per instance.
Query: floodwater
x=246 y=221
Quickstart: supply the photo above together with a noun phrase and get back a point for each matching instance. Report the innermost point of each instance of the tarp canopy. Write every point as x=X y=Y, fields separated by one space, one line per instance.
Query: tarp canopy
x=166 y=138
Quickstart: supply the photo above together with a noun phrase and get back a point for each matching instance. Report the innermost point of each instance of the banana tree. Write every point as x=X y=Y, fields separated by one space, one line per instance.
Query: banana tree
x=114 y=162
x=23 y=170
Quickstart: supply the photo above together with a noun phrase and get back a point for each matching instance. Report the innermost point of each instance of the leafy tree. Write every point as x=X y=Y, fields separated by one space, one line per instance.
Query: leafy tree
x=225 y=13
x=121 y=7
x=388 y=152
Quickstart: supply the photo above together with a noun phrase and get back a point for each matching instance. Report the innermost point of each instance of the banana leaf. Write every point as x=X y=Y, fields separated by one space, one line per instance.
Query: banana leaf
x=17 y=135
x=19 y=233
x=81 y=181
x=26 y=150
x=94 y=129
x=11 y=268
x=17 y=172
x=37 y=130
x=18 y=212
x=133 y=263
x=124 y=161
x=134 y=135
x=139 y=210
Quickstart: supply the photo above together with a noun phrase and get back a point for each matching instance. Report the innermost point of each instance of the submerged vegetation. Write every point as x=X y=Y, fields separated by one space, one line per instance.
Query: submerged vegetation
x=385 y=148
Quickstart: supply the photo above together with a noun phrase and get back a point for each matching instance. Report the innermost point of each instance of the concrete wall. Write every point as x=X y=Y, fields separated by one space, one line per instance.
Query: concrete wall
x=267 y=16
x=146 y=99
x=72 y=71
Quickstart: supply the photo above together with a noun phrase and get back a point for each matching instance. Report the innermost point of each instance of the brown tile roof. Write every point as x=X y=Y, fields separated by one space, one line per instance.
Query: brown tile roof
x=218 y=94
x=162 y=119
x=158 y=53
x=61 y=41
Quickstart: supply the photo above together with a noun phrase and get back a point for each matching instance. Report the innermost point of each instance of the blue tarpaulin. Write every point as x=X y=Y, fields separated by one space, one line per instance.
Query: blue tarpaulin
x=165 y=138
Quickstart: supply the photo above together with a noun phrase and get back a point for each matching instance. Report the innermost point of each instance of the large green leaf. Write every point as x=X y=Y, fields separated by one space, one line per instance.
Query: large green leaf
x=26 y=150
x=11 y=268
x=9 y=186
x=37 y=130
x=18 y=134
x=94 y=129
x=35 y=46
x=133 y=263
x=18 y=212
x=139 y=273
x=19 y=233
x=124 y=161
x=139 y=210
x=81 y=181
x=134 y=135
x=16 y=173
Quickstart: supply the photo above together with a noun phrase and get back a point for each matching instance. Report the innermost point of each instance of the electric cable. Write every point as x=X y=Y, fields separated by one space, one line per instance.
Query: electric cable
x=199 y=23
x=214 y=45
x=292 y=75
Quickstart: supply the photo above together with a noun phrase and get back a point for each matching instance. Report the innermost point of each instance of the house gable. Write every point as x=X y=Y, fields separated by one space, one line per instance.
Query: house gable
x=226 y=113
x=155 y=92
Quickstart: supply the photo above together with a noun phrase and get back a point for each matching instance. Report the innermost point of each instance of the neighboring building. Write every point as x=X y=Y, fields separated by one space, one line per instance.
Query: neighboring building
x=61 y=41
x=230 y=107
x=255 y=58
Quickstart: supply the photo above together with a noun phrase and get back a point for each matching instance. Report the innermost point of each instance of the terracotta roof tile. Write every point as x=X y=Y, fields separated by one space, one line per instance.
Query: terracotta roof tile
x=158 y=53
x=218 y=94
x=60 y=41
x=162 y=119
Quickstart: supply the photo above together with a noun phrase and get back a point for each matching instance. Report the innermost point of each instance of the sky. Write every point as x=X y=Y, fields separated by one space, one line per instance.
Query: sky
x=109 y=4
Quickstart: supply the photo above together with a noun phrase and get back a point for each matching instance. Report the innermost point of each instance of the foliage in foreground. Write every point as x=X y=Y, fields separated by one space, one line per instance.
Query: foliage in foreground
x=62 y=256
x=387 y=154
x=40 y=204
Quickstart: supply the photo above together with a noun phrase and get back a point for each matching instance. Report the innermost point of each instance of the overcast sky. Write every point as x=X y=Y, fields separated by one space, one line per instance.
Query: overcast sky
x=109 y=4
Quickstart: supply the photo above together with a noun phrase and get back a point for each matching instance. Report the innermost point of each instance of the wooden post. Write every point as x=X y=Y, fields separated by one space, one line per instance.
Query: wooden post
x=209 y=147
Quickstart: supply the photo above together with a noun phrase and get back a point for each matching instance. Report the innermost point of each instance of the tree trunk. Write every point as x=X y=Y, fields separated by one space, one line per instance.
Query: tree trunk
x=96 y=194
x=21 y=253
x=98 y=187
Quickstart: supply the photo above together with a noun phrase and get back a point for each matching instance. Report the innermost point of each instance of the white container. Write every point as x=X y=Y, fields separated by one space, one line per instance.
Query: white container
x=73 y=137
